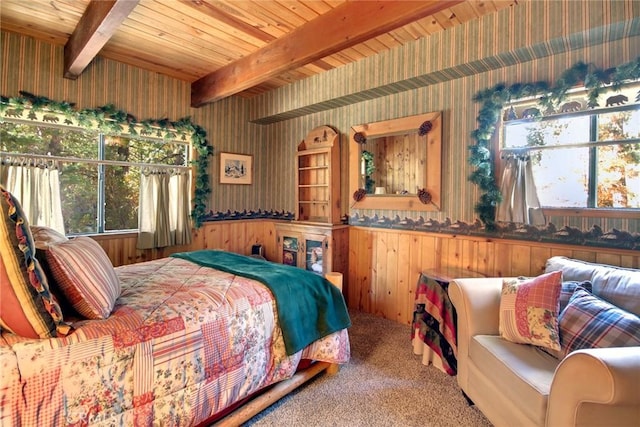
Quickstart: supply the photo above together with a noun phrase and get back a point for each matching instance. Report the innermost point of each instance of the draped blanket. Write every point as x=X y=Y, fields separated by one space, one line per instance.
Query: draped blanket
x=309 y=307
x=435 y=321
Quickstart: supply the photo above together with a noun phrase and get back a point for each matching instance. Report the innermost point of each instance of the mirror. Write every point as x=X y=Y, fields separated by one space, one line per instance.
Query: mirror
x=396 y=164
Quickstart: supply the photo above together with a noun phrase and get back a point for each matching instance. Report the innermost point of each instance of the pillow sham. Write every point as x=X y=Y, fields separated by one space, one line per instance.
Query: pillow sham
x=591 y=322
x=45 y=236
x=85 y=275
x=27 y=307
x=529 y=310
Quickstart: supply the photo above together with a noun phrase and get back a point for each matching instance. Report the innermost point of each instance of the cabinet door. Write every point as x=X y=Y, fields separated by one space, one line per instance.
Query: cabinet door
x=316 y=257
x=289 y=246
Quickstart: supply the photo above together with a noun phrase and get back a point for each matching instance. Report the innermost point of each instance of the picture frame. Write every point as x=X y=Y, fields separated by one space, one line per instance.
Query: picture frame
x=236 y=168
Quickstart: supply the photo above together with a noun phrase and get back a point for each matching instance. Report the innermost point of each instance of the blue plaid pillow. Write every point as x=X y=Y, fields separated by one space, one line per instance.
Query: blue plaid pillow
x=590 y=322
x=567 y=290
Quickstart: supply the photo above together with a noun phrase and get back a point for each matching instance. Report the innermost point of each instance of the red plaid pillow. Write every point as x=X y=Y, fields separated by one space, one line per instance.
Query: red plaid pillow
x=590 y=322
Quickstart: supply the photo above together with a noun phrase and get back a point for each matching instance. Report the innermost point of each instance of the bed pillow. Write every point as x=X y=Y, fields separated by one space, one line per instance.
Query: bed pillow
x=85 y=275
x=591 y=322
x=45 y=236
x=27 y=307
x=529 y=310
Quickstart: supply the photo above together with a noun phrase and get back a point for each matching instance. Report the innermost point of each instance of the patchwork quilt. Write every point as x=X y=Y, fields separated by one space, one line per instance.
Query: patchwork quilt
x=183 y=343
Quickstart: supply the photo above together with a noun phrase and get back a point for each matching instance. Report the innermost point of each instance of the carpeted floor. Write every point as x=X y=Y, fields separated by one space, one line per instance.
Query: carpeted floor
x=384 y=384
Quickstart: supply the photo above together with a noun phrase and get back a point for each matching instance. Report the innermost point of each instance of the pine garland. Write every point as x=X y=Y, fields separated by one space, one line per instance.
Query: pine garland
x=109 y=119
x=494 y=99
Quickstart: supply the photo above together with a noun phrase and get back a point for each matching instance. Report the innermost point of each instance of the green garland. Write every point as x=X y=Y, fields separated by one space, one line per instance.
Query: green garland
x=109 y=119
x=493 y=101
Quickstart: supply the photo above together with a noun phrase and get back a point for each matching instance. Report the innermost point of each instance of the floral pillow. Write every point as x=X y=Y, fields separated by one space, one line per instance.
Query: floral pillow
x=529 y=310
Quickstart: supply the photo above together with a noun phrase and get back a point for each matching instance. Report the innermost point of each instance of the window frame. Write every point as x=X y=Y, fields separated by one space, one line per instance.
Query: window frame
x=101 y=163
x=588 y=211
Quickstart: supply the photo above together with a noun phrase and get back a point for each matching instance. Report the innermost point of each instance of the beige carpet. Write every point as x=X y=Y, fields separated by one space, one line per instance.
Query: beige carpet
x=384 y=384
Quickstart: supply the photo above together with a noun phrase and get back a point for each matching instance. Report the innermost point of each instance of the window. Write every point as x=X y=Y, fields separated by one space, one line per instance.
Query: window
x=581 y=157
x=99 y=173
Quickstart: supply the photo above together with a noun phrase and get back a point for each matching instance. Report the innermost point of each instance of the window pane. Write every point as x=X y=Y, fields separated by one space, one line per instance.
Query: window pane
x=619 y=176
x=562 y=177
x=563 y=131
x=144 y=151
x=122 y=188
x=33 y=139
x=619 y=125
x=78 y=188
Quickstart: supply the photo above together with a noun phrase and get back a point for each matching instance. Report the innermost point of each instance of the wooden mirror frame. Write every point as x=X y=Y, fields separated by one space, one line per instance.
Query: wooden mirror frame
x=433 y=164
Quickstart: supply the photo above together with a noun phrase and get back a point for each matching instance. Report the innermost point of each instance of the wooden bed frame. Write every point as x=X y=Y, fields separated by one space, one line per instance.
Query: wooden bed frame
x=258 y=402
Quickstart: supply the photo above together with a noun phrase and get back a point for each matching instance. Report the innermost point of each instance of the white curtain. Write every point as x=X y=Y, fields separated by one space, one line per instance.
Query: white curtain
x=520 y=202
x=36 y=184
x=163 y=217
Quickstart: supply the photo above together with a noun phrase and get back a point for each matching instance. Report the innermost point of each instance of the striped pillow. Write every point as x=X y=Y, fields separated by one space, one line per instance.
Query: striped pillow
x=85 y=275
x=590 y=322
x=27 y=307
x=45 y=236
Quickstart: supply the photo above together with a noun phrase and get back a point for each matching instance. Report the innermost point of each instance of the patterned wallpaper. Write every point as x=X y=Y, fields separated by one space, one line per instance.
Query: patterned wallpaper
x=530 y=41
x=36 y=67
x=443 y=73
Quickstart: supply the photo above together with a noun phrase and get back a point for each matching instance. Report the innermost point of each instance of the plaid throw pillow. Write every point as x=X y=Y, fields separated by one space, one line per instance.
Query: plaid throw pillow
x=567 y=290
x=590 y=322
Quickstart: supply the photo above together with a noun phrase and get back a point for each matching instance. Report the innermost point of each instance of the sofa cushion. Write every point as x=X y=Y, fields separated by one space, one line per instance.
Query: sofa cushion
x=529 y=310
x=620 y=286
x=85 y=275
x=590 y=322
x=523 y=372
x=27 y=307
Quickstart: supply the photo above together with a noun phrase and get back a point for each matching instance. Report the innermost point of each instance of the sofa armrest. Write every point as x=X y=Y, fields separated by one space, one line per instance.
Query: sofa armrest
x=596 y=387
x=477 y=304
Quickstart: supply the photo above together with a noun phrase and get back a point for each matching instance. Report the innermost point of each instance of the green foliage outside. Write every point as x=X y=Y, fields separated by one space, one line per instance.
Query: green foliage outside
x=79 y=181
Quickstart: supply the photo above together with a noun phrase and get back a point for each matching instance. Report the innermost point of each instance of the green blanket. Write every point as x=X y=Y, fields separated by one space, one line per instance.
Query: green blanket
x=309 y=306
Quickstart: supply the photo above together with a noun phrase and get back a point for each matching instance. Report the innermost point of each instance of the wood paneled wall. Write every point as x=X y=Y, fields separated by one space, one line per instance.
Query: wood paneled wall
x=384 y=264
x=234 y=236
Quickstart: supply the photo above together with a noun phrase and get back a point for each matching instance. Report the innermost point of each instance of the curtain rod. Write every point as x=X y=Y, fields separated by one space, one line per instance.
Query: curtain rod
x=565 y=146
x=92 y=161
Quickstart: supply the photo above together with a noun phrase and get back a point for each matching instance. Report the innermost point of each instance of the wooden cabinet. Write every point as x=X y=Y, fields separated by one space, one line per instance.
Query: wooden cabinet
x=318 y=177
x=317 y=248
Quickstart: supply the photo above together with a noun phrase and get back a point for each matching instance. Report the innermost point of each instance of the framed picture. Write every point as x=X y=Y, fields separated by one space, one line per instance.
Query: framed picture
x=236 y=168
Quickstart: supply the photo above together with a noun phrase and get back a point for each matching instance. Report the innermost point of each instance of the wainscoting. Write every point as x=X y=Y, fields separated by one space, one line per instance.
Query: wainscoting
x=384 y=264
x=235 y=236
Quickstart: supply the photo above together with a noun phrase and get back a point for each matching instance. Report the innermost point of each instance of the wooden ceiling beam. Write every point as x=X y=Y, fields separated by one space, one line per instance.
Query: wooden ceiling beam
x=344 y=26
x=98 y=23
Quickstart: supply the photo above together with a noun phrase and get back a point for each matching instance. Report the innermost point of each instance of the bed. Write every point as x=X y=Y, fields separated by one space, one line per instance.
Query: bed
x=183 y=343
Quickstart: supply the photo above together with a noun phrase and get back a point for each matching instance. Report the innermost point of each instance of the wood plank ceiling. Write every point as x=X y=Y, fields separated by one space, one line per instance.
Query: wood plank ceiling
x=227 y=47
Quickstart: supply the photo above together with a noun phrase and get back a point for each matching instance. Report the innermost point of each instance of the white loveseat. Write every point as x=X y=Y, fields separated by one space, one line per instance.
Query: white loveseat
x=521 y=385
